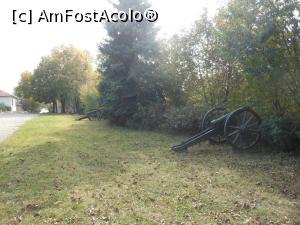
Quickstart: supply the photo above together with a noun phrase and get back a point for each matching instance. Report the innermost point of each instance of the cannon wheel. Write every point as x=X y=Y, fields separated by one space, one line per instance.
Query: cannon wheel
x=95 y=117
x=242 y=128
x=211 y=115
x=98 y=115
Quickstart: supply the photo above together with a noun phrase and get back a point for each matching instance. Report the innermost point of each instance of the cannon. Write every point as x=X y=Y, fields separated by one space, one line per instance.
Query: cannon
x=240 y=129
x=94 y=114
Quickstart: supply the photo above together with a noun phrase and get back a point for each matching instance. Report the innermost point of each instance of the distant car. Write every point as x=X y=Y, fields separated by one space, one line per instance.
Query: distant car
x=44 y=110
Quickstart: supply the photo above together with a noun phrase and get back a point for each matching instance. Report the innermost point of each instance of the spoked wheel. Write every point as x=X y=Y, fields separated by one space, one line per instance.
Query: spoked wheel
x=242 y=128
x=99 y=115
x=93 y=118
x=95 y=115
x=211 y=115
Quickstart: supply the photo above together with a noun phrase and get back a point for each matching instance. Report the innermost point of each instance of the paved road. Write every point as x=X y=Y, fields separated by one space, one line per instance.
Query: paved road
x=10 y=122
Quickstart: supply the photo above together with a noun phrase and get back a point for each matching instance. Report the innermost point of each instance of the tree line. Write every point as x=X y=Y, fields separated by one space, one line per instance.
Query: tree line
x=60 y=77
x=247 y=54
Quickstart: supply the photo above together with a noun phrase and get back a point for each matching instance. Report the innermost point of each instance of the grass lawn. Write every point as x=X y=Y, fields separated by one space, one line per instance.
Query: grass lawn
x=55 y=170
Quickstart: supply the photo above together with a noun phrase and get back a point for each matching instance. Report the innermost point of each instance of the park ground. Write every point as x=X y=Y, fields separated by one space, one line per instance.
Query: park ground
x=55 y=170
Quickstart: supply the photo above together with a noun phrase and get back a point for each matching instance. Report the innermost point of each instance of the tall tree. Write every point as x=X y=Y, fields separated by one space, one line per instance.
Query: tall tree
x=45 y=82
x=24 y=92
x=24 y=88
x=264 y=38
x=248 y=54
x=75 y=67
x=60 y=75
x=194 y=69
x=129 y=71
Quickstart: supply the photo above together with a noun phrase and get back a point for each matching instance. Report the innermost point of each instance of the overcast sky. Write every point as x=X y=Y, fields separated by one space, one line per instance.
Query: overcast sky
x=22 y=45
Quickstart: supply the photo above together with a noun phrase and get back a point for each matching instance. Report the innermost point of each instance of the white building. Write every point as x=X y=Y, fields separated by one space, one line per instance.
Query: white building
x=8 y=100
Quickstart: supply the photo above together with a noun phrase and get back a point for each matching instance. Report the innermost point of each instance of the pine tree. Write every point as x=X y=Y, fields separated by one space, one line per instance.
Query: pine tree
x=129 y=72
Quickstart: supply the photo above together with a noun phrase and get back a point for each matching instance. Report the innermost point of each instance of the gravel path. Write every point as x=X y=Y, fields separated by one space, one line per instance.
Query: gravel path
x=10 y=122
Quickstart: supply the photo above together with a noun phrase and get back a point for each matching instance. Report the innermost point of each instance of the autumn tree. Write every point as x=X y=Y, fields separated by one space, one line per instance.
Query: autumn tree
x=75 y=67
x=194 y=69
x=24 y=92
x=263 y=37
x=59 y=77
x=89 y=94
x=45 y=82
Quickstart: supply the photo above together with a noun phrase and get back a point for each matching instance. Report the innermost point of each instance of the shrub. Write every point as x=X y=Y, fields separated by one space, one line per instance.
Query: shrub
x=4 y=108
x=282 y=133
x=151 y=117
x=90 y=101
x=171 y=118
x=29 y=105
x=184 y=118
x=89 y=94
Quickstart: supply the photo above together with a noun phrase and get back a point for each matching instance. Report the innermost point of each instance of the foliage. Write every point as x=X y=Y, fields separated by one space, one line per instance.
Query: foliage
x=130 y=81
x=264 y=38
x=60 y=75
x=24 y=88
x=184 y=118
x=24 y=91
x=193 y=69
x=248 y=54
x=44 y=82
x=89 y=95
x=175 y=71
x=151 y=117
x=282 y=133
x=30 y=105
x=4 y=108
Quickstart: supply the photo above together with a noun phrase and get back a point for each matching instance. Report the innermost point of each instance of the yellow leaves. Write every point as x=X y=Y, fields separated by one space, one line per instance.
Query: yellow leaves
x=26 y=75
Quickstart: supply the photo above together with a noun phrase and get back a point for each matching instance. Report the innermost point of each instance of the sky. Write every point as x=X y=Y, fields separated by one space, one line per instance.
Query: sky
x=23 y=45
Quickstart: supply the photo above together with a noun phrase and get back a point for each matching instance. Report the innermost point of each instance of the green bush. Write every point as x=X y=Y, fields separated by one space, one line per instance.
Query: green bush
x=29 y=105
x=282 y=133
x=4 y=108
x=172 y=118
x=151 y=117
x=184 y=118
x=89 y=94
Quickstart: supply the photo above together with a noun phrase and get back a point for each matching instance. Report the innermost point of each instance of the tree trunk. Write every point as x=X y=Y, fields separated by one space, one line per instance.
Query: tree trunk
x=54 y=106
x=74 y=106
x=63 y=104
x=77 y=105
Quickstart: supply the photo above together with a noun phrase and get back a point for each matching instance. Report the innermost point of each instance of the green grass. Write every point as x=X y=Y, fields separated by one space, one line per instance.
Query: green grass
x=55 y=170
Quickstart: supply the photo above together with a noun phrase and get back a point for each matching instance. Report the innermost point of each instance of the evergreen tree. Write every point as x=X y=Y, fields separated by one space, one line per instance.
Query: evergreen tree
x=130 y=82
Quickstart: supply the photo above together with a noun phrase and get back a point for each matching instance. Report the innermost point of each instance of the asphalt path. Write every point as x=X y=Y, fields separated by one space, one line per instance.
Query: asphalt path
x=10 y=122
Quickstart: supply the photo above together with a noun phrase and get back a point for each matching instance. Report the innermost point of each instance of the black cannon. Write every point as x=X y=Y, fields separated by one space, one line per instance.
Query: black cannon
x=94 y=114
x=240 y=128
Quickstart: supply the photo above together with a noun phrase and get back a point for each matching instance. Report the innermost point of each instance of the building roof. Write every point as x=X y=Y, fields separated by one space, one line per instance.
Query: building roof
x=5 y=94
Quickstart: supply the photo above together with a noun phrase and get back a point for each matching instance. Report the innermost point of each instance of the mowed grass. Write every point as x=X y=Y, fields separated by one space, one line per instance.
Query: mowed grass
x=55 y=170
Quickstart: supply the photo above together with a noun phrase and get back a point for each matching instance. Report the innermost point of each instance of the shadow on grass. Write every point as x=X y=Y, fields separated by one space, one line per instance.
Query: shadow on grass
x=89 y=151
x=94 y=155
